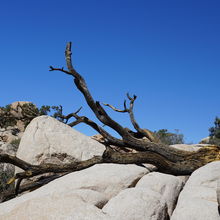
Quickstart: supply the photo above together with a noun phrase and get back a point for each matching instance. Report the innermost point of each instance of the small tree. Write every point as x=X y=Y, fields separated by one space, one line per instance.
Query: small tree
x=215 y=132
x=6 y=172
x=169 y=138
x=27 y=112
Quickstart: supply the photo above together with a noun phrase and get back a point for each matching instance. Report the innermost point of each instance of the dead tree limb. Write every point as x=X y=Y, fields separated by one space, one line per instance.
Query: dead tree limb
x=83 y=119
x=167 y=159
x=186 y=164
x=10 y=194
x=128 y=139
x=140 y=132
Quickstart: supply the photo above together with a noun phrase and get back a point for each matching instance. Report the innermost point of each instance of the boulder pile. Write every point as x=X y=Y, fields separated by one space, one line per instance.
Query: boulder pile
x=107 y=191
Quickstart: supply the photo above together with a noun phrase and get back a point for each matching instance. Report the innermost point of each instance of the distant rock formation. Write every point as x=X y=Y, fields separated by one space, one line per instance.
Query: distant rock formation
x=12 y=134
x=10 y=137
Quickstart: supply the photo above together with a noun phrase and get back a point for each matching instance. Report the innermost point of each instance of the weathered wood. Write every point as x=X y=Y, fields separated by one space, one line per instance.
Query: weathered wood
x=167 y=159
x=185 y=165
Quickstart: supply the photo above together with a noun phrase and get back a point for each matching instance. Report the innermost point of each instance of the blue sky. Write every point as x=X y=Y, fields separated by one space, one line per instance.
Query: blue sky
x=165 y=52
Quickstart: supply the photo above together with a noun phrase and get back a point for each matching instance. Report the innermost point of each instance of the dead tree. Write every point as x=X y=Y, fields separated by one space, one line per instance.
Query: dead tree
x=147 y=149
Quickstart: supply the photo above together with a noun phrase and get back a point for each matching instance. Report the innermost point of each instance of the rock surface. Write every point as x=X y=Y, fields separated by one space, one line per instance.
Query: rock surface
x=16 y=111
x=168 y=186
x=106 y=191
x=198 y=199
x=48 y=140
x=108 y=179
x=77 y=195
x=48 y=205
x=205 y=140
x=189 y=147
x=137 y=204
x=11 y=135
x=218 y=195
x=8 y=135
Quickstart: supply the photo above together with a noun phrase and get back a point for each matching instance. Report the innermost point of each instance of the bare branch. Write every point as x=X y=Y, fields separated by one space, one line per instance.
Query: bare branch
x=185 y=165
x=10 y=194
x=67 y=117
x=59 y=69
x=94 y=105
x=6 y=158
x=141 y=132
x=109 y=138
x=115 y=109
x=144 y=132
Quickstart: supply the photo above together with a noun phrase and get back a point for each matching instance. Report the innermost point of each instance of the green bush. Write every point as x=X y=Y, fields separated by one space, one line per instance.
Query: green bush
x=169 y=138
x=6 y=118
x=215 y=132
x=15 y=143
x=6 y=173
x=28 y=112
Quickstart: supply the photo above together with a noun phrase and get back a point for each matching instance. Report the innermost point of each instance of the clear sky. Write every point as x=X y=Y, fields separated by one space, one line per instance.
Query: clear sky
x=165 y=52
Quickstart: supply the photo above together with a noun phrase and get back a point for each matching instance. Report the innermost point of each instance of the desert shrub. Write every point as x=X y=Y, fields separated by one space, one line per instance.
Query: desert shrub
x=28 y=112
x=6 y=173
x=169 y=138
x=215 y=132
x=6 y=118
x=15 y=143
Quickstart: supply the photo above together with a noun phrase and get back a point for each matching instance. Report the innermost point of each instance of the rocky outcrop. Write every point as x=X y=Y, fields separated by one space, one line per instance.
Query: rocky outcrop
x=10 y=139
x=10 y=136
x=77 y=205
x=108 y=191
x=168 y=186
x=205 y=140
x=137 y=204
x=198 y=199
x=9 y=142
x=16 y=111
x=75 y=194
x=48 y=140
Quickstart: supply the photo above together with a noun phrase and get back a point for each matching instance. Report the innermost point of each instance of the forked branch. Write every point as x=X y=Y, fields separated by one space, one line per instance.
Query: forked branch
x=140 y=132
x=127 y=138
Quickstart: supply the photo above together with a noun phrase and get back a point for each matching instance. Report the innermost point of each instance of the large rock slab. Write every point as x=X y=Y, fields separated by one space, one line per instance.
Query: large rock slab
x=137 y=204
x=69 y=205
x=108 y=179
x=168 y=186
x=48 y=140
x=78 y=195
x=198 y=199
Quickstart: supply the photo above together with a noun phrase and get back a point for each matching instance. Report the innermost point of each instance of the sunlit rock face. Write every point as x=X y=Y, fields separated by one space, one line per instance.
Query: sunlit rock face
x=78 y=195
x=198 y=199
x=48 y=140
x=168 y=186
x=106 y=191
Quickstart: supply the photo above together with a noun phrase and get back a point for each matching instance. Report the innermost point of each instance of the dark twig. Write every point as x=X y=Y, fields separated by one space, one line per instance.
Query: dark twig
x=141 y=132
